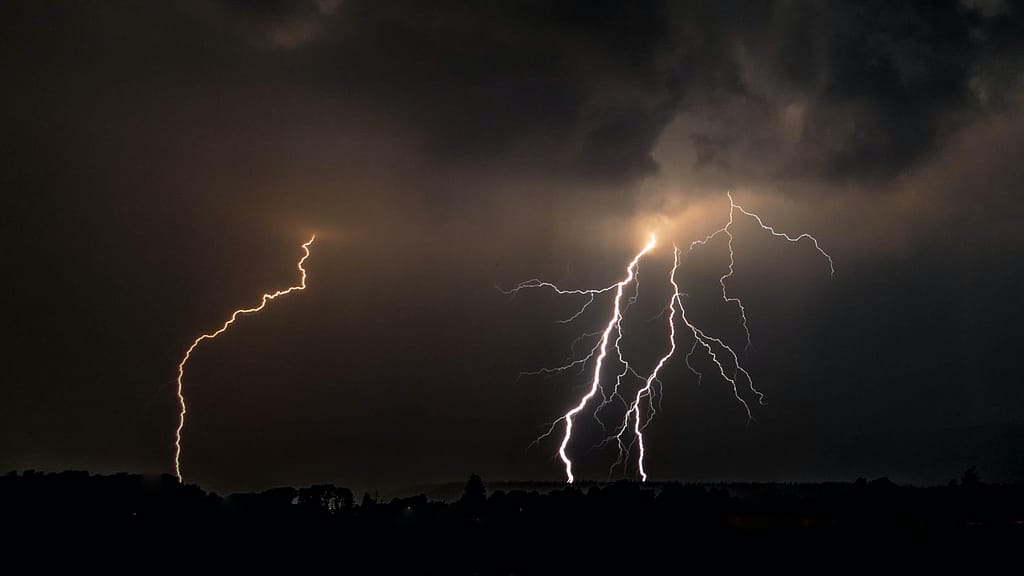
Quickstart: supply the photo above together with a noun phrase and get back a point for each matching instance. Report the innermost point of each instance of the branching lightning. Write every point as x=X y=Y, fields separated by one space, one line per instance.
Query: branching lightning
x=639 y=411
x=600 y=351
x=195 y=344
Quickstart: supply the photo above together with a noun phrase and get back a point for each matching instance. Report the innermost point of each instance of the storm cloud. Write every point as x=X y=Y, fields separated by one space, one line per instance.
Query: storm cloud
x=779 y=90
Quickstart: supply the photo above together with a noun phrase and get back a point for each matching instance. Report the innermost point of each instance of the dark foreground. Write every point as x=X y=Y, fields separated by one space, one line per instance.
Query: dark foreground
x=138 y=522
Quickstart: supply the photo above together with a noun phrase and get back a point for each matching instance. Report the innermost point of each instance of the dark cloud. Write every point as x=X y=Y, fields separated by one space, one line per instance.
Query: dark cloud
x=852 y=91
x=842 y=92
x=582 y=96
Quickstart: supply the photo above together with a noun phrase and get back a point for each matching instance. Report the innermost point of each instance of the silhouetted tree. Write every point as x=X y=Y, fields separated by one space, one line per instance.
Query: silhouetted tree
x=474 y=497
x=368 y=501
x=326 y=497
x=970 y=478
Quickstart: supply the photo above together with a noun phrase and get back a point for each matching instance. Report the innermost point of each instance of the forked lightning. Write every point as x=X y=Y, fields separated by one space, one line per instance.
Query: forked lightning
x=640 y=409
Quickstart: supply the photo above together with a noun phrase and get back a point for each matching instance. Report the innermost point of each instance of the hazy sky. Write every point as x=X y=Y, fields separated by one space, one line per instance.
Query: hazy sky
x=163 y=162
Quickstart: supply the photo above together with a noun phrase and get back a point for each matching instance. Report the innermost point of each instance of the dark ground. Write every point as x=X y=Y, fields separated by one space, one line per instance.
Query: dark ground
x=135 y=521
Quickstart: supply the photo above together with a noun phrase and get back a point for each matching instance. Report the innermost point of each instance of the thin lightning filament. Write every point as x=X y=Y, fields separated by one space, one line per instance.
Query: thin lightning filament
x=195 y=344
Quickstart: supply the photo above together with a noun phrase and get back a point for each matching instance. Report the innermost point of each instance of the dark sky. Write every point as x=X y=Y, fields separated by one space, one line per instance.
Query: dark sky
x=164 y=161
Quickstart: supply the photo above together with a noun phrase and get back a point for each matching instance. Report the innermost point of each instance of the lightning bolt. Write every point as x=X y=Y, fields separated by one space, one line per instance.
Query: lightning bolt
x=599 y=351
x=700 y=338
x=773 y=232
x=195 y=344
x=595 y=384
x=647 y=391
x=722 y=355
x=727 y=231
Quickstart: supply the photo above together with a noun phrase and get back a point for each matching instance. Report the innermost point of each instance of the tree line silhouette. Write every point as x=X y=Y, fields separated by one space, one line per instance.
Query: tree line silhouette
x=512 y=529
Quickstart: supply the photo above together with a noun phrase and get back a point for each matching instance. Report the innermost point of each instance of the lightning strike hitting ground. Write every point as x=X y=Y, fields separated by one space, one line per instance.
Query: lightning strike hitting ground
x=601 y=350
x=722 y=356
x=647 y=391
x=195 y=344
